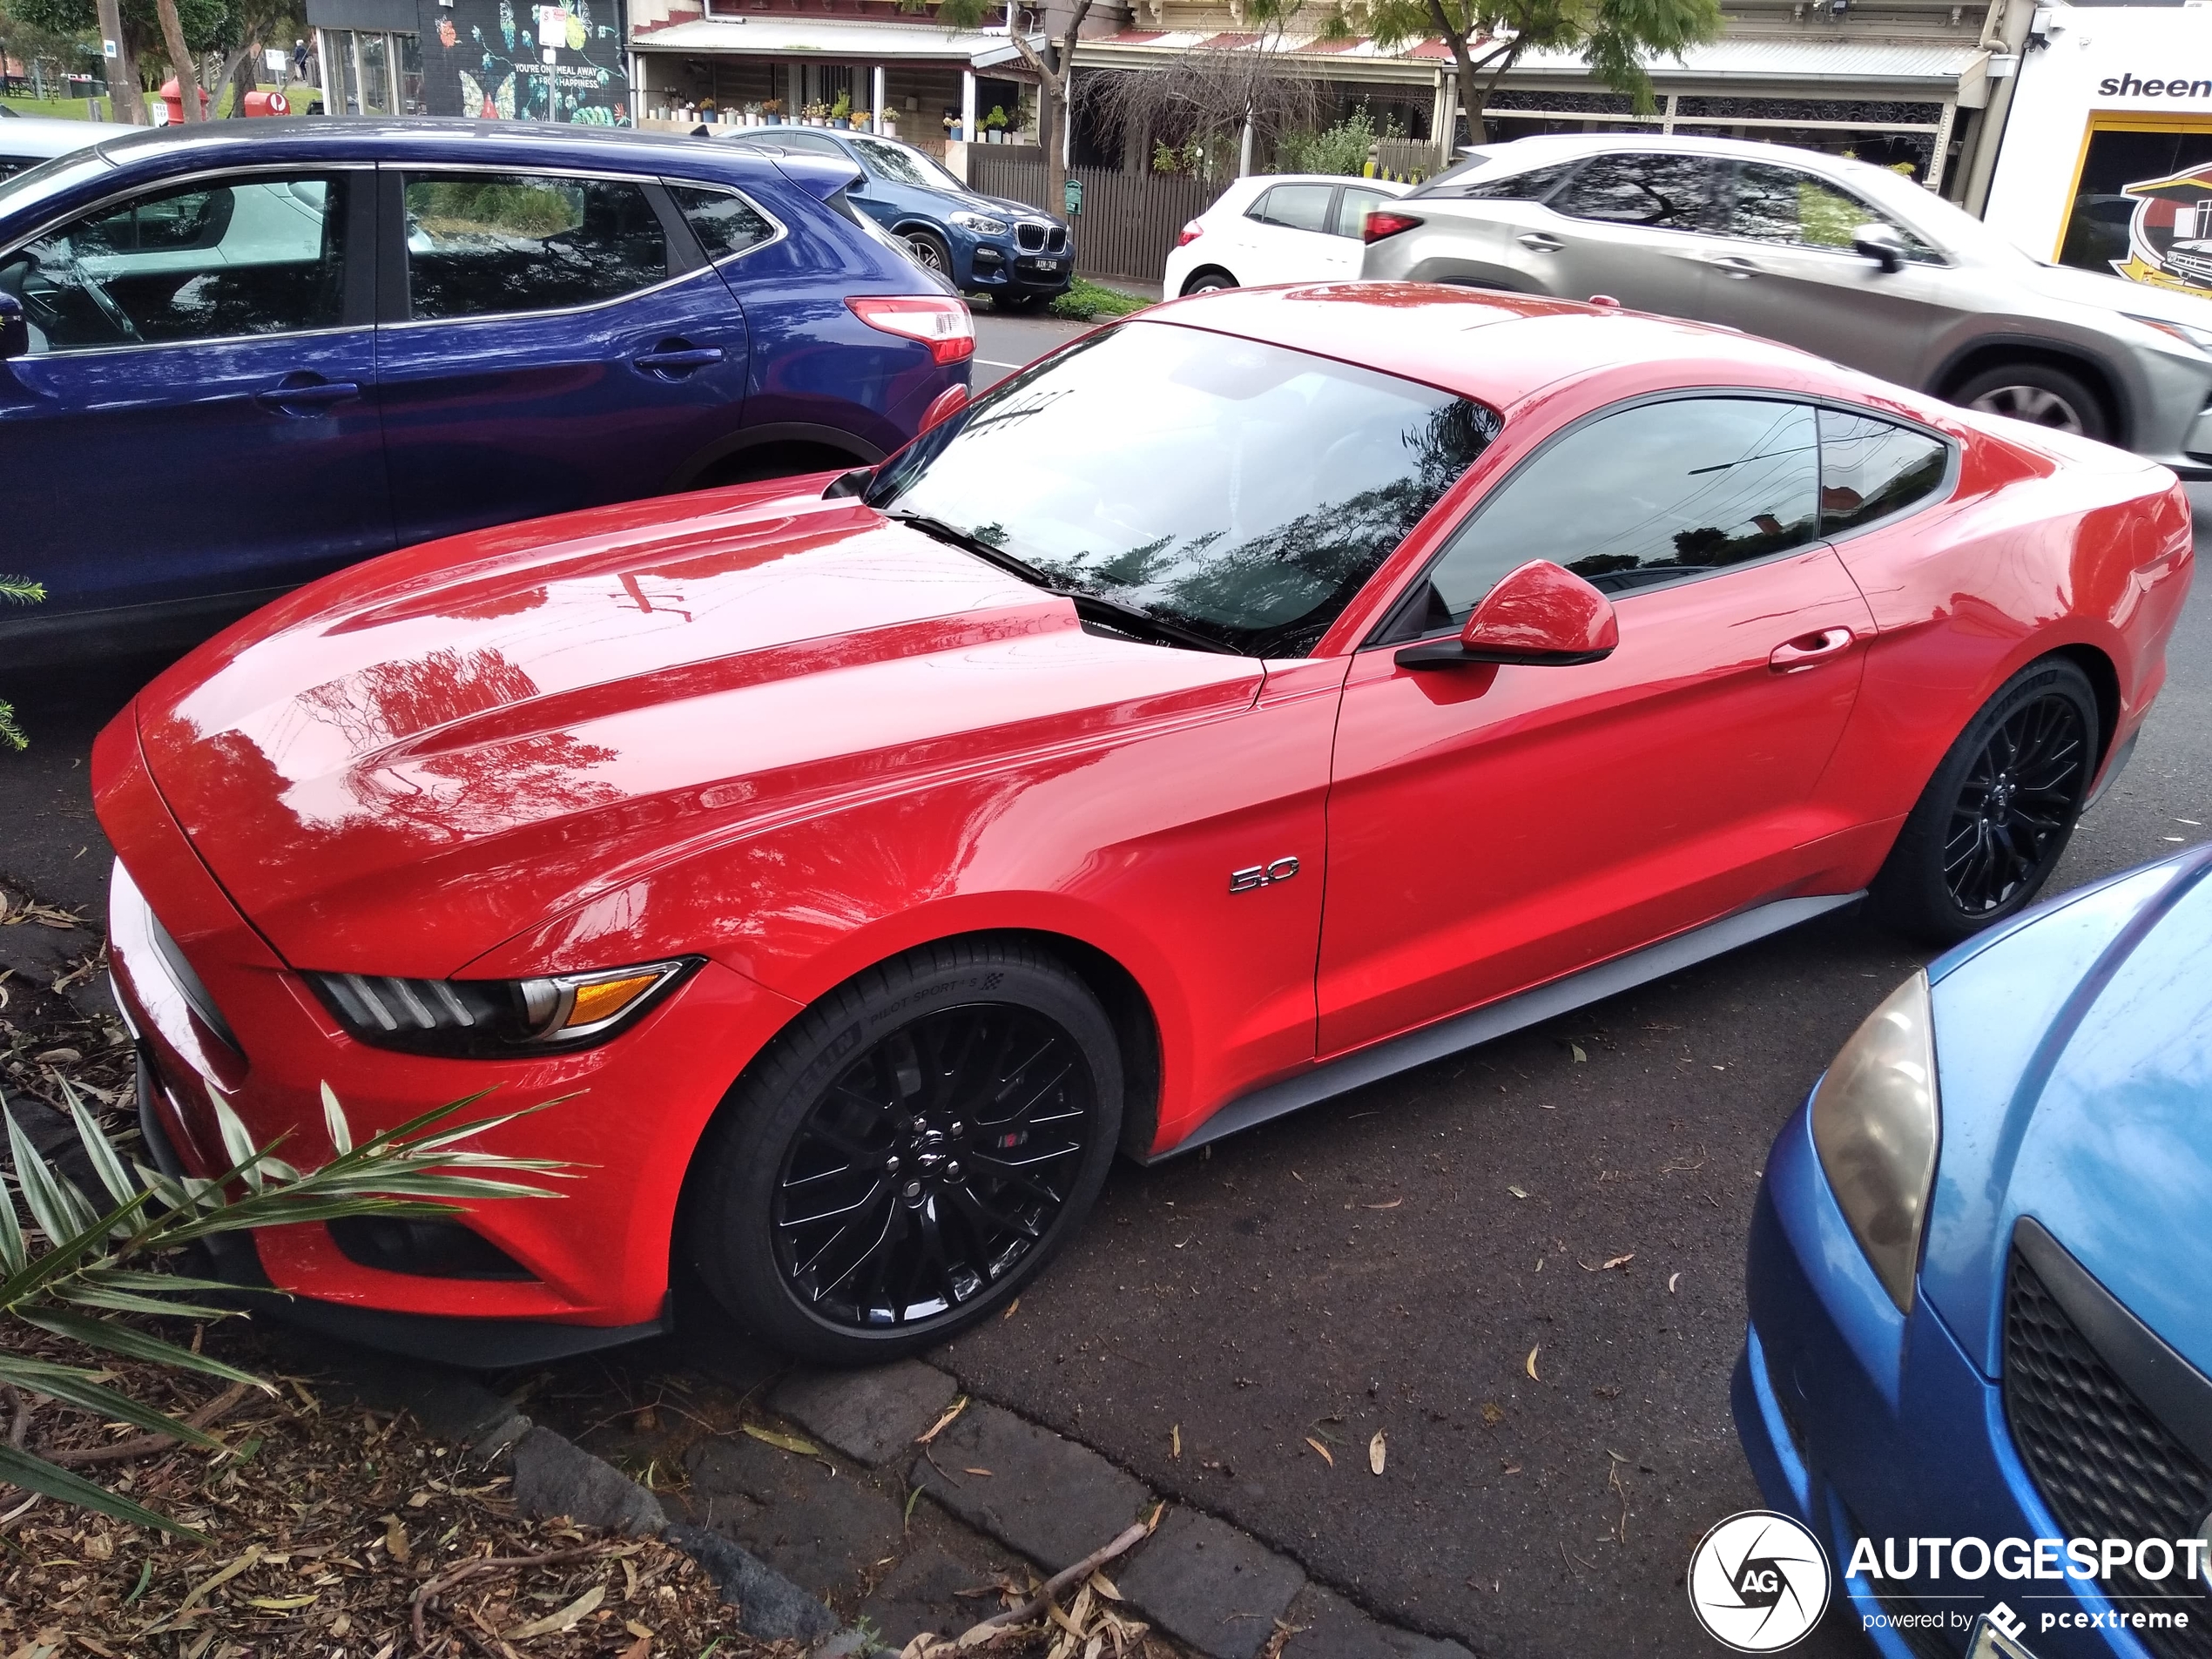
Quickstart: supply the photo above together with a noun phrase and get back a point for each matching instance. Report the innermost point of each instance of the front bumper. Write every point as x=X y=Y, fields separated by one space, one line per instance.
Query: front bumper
x=1002 y=267
x=1866 y=1423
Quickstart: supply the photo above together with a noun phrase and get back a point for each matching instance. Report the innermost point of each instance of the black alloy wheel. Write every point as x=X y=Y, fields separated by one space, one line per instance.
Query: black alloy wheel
x=2018 y=801
x=909 y=1153
x=1209 y=281
x=2040 y=393
x=932 y=1167
x=928 y=251
x=1992 y=823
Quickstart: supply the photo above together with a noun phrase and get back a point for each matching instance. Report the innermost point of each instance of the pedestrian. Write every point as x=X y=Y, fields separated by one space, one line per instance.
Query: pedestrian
x=299 y=59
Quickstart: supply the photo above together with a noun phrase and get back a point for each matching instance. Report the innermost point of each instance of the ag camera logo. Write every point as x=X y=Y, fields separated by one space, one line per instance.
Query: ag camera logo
x=1759 y=1582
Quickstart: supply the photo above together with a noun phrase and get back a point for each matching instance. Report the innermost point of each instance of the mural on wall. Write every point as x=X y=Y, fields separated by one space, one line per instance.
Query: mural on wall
x=2143 y=201
x=507 y=60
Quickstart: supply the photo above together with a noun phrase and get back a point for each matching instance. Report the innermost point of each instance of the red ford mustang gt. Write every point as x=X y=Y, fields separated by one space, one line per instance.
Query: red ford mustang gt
x=1250 y=700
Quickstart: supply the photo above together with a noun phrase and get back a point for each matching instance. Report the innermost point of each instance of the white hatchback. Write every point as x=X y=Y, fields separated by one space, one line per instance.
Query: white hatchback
x=1277 y=228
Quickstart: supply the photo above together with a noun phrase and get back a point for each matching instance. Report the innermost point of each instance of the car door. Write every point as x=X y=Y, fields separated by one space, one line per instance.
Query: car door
x=1287 y=233
x=549 y=340
x=1783 y=266
x=196 y=422
x=1492 y=828
x=1347 y=227
x=1630 y=225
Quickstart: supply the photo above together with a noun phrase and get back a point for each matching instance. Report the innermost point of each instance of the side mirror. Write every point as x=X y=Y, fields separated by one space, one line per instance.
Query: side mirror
x=1881 y=244
x=15 y=328
x=1538 y=616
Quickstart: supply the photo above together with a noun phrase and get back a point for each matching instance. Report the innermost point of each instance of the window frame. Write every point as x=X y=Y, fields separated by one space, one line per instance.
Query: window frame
x=1328 y=212
x=357 y=307
x=686 y=258
x=1708 y=221
x=1336 y=206
x=1392 y=628
x=778 y=230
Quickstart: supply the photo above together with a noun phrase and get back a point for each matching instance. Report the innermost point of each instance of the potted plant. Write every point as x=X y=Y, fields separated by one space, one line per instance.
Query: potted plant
x=841 y=112
x=890 y=123
x=952 y=130
x=861 y=120
x=815 y=114
x=771 y=111
x=994 y=126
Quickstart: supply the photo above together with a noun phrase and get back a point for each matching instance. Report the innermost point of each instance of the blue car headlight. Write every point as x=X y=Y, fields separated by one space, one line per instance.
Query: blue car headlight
x=1876 y=1124
x=981 y=224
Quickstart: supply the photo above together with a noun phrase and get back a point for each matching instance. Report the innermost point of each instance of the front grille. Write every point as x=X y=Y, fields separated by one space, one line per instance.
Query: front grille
x=2108 y=1467
x=1057 y=241
x=1029 y=238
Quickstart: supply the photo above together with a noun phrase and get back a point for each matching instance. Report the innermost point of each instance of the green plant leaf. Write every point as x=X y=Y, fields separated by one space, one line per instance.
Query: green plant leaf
x=333 y=1123
x=77 y=1291
x=15 y=1251
x=54 y=1204
x=35 y=1474
x=74 y=1386
x=106 y=1163
x=134 y=1344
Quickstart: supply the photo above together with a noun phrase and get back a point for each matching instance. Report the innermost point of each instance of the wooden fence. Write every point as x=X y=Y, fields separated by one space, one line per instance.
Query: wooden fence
x=1128 y=221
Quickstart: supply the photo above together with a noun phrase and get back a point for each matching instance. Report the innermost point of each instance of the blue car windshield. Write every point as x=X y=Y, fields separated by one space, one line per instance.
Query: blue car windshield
x=1235 y=490
x=897 y=164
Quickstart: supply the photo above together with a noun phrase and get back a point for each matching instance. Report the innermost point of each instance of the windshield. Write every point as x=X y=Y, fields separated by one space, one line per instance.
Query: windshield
x=62 y=171
x=903 y=166
x=1239 y=491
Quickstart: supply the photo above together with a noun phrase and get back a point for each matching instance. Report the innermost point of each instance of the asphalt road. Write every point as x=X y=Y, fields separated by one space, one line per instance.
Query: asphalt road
x=1367 y=1265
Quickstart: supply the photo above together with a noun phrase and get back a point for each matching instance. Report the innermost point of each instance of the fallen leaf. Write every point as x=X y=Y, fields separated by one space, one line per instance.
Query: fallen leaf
x=1576 y=1049
x=567 y=1619
x=278 y=1603
x=1323 y=1450
x=943 y=1422
x=1010 y=1306
x=58 y=1056
x=1393 y=1204
x=1516 y=1192
x=636 y=1628
x=1377 y=1451
x=781 y=1441
x=418 y=1501
x=1615 y=1262
x=1175 y=1441
x=1673 y=1279
x=396 y=1540
x=1532 y=1376
x=982 y=1471
x=1493 y=1413
x=641 y=1649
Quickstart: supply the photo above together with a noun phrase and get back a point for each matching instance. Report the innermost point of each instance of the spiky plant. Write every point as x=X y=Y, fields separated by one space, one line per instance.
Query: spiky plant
x=80 y=1264
x=17 y=590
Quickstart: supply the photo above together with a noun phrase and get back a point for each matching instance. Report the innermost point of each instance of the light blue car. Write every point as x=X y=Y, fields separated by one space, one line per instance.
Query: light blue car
x=1980 y=1360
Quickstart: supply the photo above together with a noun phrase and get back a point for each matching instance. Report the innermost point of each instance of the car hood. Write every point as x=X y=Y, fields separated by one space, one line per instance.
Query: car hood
x=2074 y=1055
x=2071 y=286
x=397 y=769
x=1007 y=205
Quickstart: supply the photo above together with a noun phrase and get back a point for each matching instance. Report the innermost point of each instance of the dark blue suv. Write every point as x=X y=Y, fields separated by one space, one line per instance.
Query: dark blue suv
x=233 y=357
x=1021 y=257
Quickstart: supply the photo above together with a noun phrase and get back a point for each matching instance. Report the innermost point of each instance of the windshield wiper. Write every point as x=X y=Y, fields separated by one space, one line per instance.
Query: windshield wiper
x=1100 y=608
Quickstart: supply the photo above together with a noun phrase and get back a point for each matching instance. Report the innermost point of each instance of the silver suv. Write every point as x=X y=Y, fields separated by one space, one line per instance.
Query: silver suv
x=1850 y=260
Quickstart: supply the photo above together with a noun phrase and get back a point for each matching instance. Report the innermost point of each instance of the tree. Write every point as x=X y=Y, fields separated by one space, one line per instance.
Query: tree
x=1614 y=36
x=1054 y=64
x=206 y=26
x=1212 y=99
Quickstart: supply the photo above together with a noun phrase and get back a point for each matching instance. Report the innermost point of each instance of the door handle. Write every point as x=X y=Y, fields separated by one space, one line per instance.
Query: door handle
x=1537 y=242
x=1810 y=651
x=1733 y=265
x=674 y=357
x=311 y=395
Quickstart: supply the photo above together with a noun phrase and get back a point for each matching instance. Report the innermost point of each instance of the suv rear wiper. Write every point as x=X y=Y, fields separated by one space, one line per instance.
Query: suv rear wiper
x=1100 y=608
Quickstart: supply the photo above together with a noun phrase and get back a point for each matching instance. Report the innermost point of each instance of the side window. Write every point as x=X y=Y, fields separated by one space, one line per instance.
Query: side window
x=1353 y=208
x=807 y=143
x=1649 y=495
x=723 y=223
x=1664 y=193
x=208 y=262
x=1294 y=207
x=1870 y=468
x=1531 y=186
x=1774 y=204
x=490 y=244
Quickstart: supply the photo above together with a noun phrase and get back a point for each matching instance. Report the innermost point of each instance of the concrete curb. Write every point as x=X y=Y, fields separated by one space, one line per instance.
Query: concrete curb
x=553 y=1476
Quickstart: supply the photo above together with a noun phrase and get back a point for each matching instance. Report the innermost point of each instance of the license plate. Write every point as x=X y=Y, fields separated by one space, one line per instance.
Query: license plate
x=1048 y=264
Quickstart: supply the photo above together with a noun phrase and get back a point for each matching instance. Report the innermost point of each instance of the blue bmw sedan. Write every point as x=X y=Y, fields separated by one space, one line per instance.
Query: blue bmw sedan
x=1979 y=1360
x=986 y=245
x=236 y=356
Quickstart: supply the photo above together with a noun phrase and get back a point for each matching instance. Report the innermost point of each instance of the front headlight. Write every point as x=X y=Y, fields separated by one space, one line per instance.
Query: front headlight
x=483 y=1019
x=2187 y=332
x=981 y=224
x=1876 y=1121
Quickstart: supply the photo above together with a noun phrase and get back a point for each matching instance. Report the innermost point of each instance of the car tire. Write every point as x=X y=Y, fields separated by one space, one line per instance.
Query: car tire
x=1993 y=821
x=1209 y=281
x=929 y=251
x=877 y=1102
x=2039 y=394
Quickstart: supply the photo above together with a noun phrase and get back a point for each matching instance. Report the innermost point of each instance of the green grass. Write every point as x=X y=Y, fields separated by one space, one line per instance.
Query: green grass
x=72 y=109
x=1086 y=301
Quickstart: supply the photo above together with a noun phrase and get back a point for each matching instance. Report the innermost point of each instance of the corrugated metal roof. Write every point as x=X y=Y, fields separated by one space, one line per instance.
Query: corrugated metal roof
x=802 y=37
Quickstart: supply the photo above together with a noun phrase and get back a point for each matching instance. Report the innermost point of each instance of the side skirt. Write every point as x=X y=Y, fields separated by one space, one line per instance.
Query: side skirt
x=1493 y=1019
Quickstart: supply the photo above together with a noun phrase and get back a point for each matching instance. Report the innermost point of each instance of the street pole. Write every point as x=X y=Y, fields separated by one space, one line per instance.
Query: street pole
x=123 y=103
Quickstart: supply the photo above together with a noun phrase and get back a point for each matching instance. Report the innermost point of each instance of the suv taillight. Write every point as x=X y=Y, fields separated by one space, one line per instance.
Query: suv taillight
x=1191 y=232
x=1382 y=222
x=941 y=323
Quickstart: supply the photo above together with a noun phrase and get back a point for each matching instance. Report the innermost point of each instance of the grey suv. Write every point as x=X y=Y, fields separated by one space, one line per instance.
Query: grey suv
x=1852 y=261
